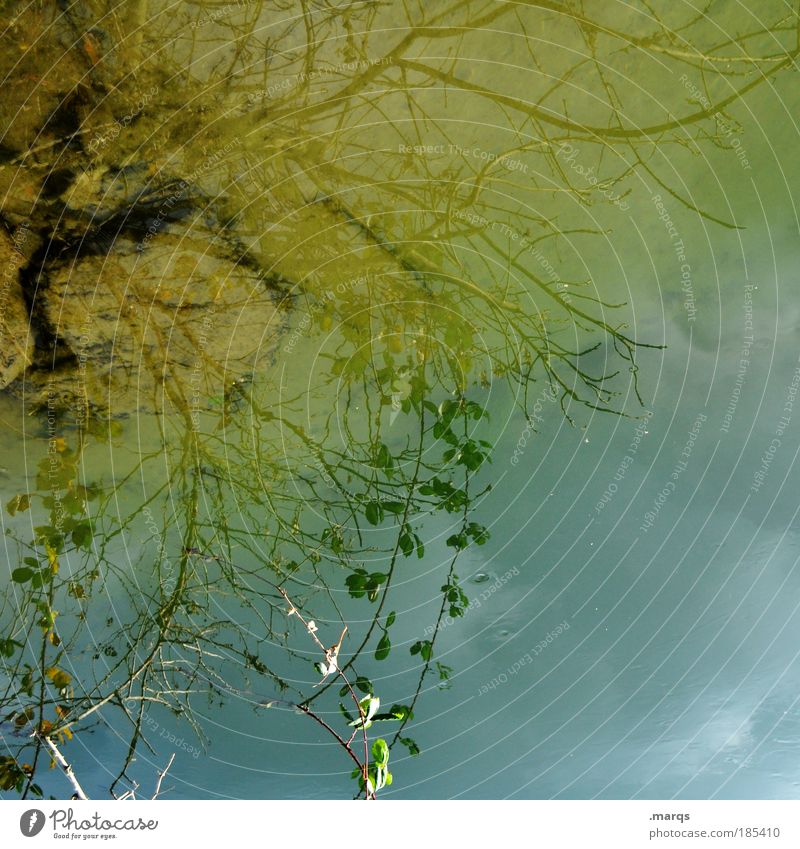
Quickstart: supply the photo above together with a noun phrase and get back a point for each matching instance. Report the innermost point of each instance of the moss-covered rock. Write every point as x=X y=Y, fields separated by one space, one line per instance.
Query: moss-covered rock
x=16 y=344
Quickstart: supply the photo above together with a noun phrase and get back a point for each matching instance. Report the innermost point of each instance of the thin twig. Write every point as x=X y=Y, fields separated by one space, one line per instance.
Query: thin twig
x=162 y=774
x=332 y=664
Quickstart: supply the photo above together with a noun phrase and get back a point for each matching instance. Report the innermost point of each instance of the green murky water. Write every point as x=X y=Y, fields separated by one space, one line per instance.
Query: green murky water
x=468 y=326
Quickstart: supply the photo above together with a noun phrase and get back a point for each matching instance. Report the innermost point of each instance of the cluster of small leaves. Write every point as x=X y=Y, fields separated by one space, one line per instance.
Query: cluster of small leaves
x=424 y=648
x=334 y=536
x=408 y=540
x=67 y=530
x=362 y=583
x=447 y=496
x=456 y=597
x=382 y=459
x=66 y=501
x=384 y=643
x=33 y=572
x=401 y=385
x=410 y=744
x=470 y=453
x=369 y=706
x=444 y=671
x=375 y=511
x=9 y=646
x=463 y=451
x=471 y=531
x=378 y=775
x=14 y=776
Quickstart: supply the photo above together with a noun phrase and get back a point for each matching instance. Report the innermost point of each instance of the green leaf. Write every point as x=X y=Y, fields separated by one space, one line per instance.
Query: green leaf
x=22 y=574
x=423 y=648
x=365 y=685
x=406 y=544
x=390 y=619
x=8 y=646
x=82 y=535
x=373 y=585
x=458 y=541
x=396 y=507
x=439 y=430
x=413 y=748
x=384 y=647
x=369 y=706
x=374 y=513
x=401 y=712
x=478 y=533
x=380 y=752
x=19 y=503
x=59 y=678
x=444 y=671
x=448 y=410
x=357 y=583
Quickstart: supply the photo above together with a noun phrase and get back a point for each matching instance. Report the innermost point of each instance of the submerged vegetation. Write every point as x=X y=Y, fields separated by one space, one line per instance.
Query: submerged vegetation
x=307 y=244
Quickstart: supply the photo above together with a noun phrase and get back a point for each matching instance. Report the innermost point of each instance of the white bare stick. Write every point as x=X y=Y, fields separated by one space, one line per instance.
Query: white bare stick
x=62 y=762
x=162 y=774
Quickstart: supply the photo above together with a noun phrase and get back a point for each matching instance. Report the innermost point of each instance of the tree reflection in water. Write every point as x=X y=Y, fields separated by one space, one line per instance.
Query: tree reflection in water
x=284 y=240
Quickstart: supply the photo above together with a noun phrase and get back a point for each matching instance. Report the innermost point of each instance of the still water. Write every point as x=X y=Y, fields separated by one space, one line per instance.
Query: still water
x=383 y=307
